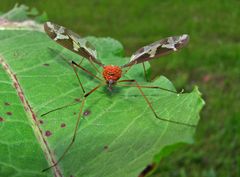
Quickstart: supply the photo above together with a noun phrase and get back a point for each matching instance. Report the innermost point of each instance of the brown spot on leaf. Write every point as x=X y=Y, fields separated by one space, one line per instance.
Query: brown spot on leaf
x=86 y=113
x=1 y=119
x=9 y=113
x=7 y=104
x=63 y=125
x=105 y=147
x=48 y=133
x=45 y=64
x=77 y=99
x=41 y=121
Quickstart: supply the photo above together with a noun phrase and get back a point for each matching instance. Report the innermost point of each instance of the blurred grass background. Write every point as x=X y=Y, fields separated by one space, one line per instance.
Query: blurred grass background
x=211 y=61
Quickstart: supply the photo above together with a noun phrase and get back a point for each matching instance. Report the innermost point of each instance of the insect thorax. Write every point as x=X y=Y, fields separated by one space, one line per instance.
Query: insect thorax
x=112 y=73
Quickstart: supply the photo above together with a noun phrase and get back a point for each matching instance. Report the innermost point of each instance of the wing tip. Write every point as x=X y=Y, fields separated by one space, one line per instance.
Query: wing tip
x=184 y=37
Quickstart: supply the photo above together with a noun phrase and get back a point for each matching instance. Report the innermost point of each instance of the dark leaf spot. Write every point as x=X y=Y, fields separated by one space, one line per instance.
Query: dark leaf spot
x=63 y=125
x=41 y=121
x=86 y=113
x=45 y=64
x=1 y=119
x=105 y=147
x=77 y=99
x=74 y=113
x=48 y=133
x=7 y=104
x=9 y=113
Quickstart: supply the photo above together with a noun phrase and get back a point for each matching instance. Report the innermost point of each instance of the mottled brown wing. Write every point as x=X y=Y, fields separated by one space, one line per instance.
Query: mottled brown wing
x=157 y=49
x=72 y=41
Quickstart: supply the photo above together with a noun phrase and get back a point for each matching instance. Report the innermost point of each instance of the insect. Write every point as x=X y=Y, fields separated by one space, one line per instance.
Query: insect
x=111 y=75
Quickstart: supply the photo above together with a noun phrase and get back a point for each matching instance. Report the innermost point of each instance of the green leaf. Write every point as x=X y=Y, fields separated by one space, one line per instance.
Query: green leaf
x=120 y=135
x=23 y=12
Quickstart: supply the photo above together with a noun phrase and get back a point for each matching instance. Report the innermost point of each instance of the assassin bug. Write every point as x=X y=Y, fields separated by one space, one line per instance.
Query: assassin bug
x=111 y=74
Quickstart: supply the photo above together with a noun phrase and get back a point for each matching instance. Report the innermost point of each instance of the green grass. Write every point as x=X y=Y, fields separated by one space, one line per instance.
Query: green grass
x=211 y=61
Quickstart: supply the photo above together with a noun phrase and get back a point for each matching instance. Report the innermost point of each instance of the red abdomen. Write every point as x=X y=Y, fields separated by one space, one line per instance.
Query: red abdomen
x=111 y=72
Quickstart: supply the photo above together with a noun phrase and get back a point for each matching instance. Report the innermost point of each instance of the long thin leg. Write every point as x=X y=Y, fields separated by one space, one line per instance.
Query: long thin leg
x=150 y=105
x=81 y=61
x=94 y=66
x=129 y=67
x=79 y=66
x=85 y=70
x=59 y=108
x=143 y=86
x=76 y=127
x=145 y=73
x=144 y=69
x=74 y=65
x=79 y=81
x=67 y=61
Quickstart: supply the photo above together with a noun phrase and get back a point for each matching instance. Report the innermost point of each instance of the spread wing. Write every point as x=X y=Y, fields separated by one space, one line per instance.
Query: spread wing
x=157 y=49
x=71 y=41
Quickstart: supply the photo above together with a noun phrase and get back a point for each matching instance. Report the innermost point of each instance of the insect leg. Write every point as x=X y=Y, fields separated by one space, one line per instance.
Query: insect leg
x=90 y=60
x=74 y=65
x=75 y=129
x=62 y=107
x=145 y=72
x=129 y=67
x=150 y=105
x=79 y=81
x=85 y=70
x=143 y=86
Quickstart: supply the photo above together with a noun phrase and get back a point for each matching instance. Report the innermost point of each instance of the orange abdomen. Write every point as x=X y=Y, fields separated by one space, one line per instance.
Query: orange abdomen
x=111 y=72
